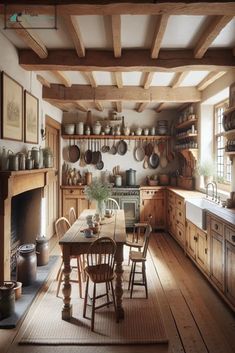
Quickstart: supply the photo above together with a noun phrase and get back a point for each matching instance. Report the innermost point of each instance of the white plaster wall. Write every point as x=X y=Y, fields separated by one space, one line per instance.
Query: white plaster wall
x=9 y=64
x=133 y=119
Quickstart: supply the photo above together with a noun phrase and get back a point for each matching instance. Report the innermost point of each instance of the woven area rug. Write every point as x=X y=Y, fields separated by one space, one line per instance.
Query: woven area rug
x=143 y=323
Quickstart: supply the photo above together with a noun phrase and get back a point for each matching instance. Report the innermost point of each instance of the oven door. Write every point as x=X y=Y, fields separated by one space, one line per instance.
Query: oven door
x=131 y=209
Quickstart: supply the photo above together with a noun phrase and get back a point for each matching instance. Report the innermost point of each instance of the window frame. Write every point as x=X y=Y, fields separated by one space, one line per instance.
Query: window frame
x=225 y=186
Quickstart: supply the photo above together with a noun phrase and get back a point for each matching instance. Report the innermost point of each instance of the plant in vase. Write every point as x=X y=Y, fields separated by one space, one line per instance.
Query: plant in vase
x=207 y=169
x=99 y=192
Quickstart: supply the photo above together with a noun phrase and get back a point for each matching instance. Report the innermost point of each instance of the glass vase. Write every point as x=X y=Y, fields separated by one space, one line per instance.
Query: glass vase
x=100 y=208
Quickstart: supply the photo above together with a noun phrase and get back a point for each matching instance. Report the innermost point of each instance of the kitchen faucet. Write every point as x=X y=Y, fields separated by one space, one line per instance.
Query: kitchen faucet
x=214 y=191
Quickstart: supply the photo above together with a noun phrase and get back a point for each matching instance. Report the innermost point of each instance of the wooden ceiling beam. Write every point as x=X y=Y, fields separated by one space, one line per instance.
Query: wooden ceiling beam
x=29 y=37
x=142 y=107
x=158 y=35
x=210 y=78
x=89 y=76
x=178 y=78
x=131 y=60
x=159 y=108
x=111 y=94
x=118 y=79
x=43 y=81
x=148 y=79
x=99 y=106
x=118 y=107
x=74 y=31
x=80 y=106
x=116 y=31
x=217 y=23
x=61 y=77
x=202 y=8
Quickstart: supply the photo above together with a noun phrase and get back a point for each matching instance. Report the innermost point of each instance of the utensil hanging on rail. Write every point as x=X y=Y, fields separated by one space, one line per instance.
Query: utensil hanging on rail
x=74 y=153
x=88 y=154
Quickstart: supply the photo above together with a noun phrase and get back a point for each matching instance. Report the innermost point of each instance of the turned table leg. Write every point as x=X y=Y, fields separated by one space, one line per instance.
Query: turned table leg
x=119 y=280
x=67 y=307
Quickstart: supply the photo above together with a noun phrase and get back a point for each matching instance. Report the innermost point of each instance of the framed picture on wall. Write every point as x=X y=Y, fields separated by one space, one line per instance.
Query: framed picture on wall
x=12 y=109
x=30 y=118
x=232 y=95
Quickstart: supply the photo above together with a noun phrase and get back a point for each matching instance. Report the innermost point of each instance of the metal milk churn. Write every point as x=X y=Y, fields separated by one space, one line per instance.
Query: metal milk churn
x=26 y=264
x=7 y=299
x=42 y=251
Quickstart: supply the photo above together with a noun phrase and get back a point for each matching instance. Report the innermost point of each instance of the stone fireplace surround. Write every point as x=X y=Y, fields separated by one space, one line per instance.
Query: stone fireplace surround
x=13 y=184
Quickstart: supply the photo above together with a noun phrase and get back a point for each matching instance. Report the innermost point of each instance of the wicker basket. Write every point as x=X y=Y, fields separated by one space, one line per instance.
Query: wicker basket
x=152 y=182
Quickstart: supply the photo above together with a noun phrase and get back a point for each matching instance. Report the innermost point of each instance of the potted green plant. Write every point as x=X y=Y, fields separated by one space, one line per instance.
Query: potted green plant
x=99 y=192
x=207 y=169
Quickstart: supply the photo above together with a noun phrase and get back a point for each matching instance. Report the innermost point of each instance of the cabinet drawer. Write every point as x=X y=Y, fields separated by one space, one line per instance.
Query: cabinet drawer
x=180 y=215
x=230 y=235
x=179 y=232
x=217 y=226
x=179 y=203
x=152 y=194
x=74 y=192
x=171 y=198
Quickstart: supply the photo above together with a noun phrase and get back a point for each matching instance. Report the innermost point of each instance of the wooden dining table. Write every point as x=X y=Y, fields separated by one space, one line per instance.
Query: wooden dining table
x=75 y=243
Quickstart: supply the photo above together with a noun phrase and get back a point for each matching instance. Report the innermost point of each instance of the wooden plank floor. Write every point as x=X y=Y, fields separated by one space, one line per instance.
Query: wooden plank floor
x=196 y=319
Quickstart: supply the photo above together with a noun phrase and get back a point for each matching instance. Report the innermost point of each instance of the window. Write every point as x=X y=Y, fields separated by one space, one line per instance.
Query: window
x=223 y=163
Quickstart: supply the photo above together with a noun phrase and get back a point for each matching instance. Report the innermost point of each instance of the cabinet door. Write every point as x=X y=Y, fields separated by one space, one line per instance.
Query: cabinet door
x=191 y=238
x=202 y=252
x=217 y=259
x=160 y=215
x=230 y=271
x=69 y=201
x=147 y=208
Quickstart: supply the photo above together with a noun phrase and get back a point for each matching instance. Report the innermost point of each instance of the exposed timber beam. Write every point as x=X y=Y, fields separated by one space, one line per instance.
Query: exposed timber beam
x=217 y=23
x=74 y=31
x=111 y=93
x=80 y=106
x=43 y=81
x=178 y=78
x=118 y=107
x=142 y=107
x=116 y=31
x=61 y=77
x=131 y=60
x=118 y=79
x=158 y=35
x=29 y=37
x=90 y=78
x=202 y=8
x=210 y=78
x=183 y=107
x=148 y=79
x=159 y=107
x=99 y=106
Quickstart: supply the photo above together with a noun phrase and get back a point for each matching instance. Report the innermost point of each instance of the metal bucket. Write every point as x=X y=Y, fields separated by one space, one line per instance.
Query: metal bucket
x=7 y=299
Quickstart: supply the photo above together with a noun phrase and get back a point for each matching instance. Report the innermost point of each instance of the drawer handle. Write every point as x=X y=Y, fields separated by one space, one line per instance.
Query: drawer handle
x=216 y=226
x=71 y=191
x=195 y=238
x=180 y=214
x=179 y=233
x=233 y=238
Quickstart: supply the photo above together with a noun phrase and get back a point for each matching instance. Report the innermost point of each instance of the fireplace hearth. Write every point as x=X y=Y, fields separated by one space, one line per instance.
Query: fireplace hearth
x=13 y=184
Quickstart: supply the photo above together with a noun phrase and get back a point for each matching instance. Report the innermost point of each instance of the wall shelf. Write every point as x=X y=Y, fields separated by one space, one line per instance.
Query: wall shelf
x=115 y=137
x=186 y=123
x=182 y=137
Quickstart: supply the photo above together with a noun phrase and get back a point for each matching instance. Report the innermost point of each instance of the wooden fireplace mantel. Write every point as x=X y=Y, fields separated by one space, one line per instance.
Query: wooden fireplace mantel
x=13 y=183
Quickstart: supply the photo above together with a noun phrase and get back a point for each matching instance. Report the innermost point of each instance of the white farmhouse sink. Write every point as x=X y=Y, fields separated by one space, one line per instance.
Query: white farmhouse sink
x=196 y=211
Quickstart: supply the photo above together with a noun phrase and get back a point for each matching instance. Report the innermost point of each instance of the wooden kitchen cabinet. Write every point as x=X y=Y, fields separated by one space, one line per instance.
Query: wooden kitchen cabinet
x=230 y=264
x=197 y=246
x=191 y=234
x=176 y=217
x=74 y=197
x=152 y=202
x=216 y=251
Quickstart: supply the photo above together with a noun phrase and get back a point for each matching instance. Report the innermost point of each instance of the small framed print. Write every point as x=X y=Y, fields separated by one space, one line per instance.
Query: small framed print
x=12 y=109
x=232 y=95
x=30 y=118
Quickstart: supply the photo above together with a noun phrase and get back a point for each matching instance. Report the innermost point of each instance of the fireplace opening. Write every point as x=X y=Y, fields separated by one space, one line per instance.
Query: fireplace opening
x=25 y=220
